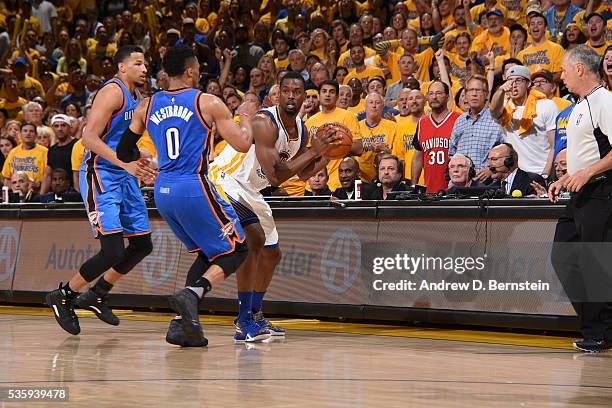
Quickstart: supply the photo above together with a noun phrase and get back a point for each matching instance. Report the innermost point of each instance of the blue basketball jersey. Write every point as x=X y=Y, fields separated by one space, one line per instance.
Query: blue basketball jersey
x=178 y=130
x=119 y=122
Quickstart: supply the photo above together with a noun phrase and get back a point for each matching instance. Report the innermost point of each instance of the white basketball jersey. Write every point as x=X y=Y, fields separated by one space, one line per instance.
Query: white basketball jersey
x=244 y=167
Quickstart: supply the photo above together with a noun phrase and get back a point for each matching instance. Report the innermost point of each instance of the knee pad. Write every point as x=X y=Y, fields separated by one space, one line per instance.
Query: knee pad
x=199 y=266
x=230 y=262
x=139 y=247
x=111 y=252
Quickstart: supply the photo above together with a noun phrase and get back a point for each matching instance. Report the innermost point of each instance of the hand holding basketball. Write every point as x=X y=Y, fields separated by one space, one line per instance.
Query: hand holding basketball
x=338 y=138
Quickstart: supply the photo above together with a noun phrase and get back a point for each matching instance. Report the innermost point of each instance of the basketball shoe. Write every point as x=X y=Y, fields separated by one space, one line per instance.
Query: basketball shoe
x=593 y=345
x=63 y=310
x=175 y=335
x=186 y=304
x=264 y=323
x=97 y=304
x=248 y=331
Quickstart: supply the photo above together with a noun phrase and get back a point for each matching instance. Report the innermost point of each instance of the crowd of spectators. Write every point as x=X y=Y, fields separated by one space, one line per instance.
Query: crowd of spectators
x=444 y=94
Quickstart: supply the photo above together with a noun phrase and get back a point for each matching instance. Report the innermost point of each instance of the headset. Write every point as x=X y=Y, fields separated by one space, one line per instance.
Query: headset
x=471 y=171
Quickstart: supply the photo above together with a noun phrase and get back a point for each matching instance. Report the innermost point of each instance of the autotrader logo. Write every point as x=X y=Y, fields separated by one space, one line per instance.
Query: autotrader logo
x=341 y=261
x=162 y=263
x=9 y=241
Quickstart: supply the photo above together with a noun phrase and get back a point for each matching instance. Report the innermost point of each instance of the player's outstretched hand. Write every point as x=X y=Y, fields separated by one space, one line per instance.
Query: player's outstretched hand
x=142 y=170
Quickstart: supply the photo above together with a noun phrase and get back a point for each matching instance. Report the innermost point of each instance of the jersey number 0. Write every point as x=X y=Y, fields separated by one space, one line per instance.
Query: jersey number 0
x=172 y=142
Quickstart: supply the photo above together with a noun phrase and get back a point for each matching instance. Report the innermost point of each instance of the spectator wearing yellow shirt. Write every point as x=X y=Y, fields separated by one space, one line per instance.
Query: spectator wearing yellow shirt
x=340 y=33
x=328 y=97
x=361 y=71
x=596 y=32
x=409 y=42
x=486 y=6
x=357 y=104
x=460 y=56
x=27 y=157
x=544 y=82
x=25 y=81
x=27 y=49
x=542 y=54
x=73 y=54
x=102 y=48
x=411 y=104
x=407 y=69
x=496 y=37
x=11 y=101
x=355 y=38
x=377 y=135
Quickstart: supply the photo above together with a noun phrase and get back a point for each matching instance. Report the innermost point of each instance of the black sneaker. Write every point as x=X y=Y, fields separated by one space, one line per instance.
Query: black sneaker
x=97 y=304
x=175 y=335
x=186 y=304
x=63 y=310
x=592 y=345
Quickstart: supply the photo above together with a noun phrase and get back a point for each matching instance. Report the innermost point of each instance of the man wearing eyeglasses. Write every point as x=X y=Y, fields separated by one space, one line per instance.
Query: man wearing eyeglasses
x=475 y=132
x=527 y=119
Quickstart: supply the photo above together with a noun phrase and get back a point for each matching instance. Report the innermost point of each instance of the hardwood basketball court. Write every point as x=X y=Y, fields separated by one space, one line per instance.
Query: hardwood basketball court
x=318 y=365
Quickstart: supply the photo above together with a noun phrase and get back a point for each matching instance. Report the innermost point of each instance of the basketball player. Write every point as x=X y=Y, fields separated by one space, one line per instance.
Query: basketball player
x=179 y=121
x=279 y=153
x=113 y=200
x=432 y=139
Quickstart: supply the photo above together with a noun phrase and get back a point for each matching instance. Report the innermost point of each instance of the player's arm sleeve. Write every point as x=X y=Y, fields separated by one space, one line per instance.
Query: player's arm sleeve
x=127 y=149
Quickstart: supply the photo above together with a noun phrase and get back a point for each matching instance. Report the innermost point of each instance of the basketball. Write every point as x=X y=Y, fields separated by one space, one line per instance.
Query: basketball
x=342 y=147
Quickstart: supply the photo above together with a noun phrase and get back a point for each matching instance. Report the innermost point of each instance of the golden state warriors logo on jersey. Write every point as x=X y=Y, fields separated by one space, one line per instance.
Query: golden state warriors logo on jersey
x=284 y=155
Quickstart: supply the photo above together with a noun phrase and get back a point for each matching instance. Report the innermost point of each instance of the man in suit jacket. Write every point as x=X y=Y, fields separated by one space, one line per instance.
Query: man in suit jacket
x=503 y=163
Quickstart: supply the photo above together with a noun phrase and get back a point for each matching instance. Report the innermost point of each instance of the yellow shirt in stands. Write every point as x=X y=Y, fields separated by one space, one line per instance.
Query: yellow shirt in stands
x=561 y=103
x=32 y=53
x=95 y=55
x=281 y=64
x=32 y=161
x=365 y=75
x=384 y=132
x=548 y=55
x=600 y=49
x=476 y=10
x=392 y=64
x=402 y=143
x=423 y=59
x=295 y=187
x=516 y=10
x=348 y=119
x=345 y=57
x=76 y=158
x=146 y=144
x=486 y=41
x=413 y=13
x=357 y=109
x=13 y=108
x=458 y=69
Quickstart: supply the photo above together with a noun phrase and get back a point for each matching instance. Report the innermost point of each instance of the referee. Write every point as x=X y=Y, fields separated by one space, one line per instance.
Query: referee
x=584 y=232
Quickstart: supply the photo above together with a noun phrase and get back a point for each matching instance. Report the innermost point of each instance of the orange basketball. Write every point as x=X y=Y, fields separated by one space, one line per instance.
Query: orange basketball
x=343 y=146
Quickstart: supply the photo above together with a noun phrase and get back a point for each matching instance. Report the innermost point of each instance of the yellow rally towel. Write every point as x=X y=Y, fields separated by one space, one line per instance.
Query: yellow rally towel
x=529 y=113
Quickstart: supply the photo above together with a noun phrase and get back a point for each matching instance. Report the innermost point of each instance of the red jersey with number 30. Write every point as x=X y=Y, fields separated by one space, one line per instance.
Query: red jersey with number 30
x=433 y=139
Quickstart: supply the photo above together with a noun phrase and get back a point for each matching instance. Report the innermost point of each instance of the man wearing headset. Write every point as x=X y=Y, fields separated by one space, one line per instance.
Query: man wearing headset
x=503 y=164
x=461 y=173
